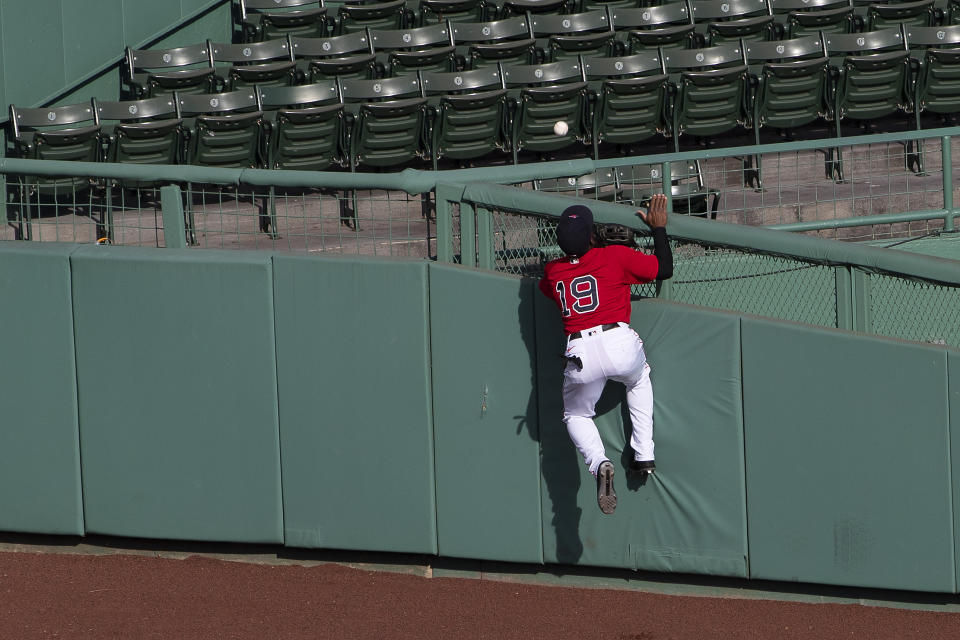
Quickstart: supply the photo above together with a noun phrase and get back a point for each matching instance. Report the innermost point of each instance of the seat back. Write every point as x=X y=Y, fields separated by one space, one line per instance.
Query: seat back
x=938 y=70
x=631 y=99
x=432 y=11
x=689 y=193
x=734 y=20
x=152 y=72
x=711 y=90
x=871 y=74
x=148 y=131
x=428 y=48
x=510 y=8
x=570 y=35
x=303 y=126
x=543 y=95
x=919 y=13
x=372 y=15
x=790 y=80
x=467 y=113
x=269 y=62
x=223 y=129
x=668 y=26
x=602 y=184
x=386 y=118
x=349 y=55
x=270 y=19
x=70 y=132
x=509 y=41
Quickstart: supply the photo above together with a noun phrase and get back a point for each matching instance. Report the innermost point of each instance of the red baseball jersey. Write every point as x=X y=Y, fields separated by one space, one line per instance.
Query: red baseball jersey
x=595 y=288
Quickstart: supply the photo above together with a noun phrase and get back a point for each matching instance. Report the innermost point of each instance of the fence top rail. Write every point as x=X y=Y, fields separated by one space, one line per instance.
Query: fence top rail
x=742 y=237
x=415 y=181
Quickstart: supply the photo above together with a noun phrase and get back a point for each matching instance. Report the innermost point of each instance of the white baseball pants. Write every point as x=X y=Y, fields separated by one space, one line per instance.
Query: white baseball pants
x=617 y=355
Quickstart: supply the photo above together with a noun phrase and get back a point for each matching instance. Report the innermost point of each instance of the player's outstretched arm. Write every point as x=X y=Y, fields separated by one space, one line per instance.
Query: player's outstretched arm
x=656 y=217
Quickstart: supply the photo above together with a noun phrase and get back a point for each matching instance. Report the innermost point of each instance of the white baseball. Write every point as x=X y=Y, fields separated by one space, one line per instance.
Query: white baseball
x=561 y=128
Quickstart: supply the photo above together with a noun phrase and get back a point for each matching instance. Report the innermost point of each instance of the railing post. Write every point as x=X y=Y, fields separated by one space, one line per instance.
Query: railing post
x=860 y=299
x=664 y=288
x=485 y=239
x=174 y=229
x=445 y=195
x=844 y=301
x=468 y=235
x=947 y=155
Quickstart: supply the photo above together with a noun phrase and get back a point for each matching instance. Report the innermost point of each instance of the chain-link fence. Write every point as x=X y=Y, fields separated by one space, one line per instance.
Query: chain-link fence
x=914 y=310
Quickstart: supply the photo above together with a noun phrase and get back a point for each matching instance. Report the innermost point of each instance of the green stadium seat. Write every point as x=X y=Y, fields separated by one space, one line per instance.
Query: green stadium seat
x=592 y=5
x=689 y=193
x=346 y=56
x=543 y=95
x=570 y=35
x=789 y=84
x=936 y=54
x=598 y=185
x=712 y=92
x=66 y=133
x=255 y=63
x=919 y=13
x=153 y=72
x=811 y=17
x=385 y=119
x=303 y=126
x=870 y=79
x=434 y=11
x=466 y=115
x=509 y=41
x=359 y=16
x=630 y=98
x=271 y=19
x=148 y=131
x=668 y=26
x=222 y=130
x=509 y=8
x=428 y=48
x=733 y=20
x=303 y=131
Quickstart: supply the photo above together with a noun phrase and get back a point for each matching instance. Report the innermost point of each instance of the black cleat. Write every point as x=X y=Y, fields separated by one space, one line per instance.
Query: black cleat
x=606 y=496
x=641 y=469
x=642 y=466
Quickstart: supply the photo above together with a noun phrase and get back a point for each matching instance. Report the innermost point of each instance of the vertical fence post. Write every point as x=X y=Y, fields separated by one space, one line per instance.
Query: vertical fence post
x=485 y=239
x=174 y=229
x=468 y=235
x=445 y=195
x=860 y=290
x=665 y=287
x=845 y=301
x=946 y=153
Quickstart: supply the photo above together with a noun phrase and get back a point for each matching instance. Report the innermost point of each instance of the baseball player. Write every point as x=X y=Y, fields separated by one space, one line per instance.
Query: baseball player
x=591 y=286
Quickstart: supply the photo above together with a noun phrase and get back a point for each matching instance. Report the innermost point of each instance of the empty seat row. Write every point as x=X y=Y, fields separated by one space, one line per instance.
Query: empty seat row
x=269 y=19
x=529 y=39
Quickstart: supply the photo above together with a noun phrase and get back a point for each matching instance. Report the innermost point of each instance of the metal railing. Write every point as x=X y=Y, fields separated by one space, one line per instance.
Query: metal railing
x=744 y=269
x=391 y=213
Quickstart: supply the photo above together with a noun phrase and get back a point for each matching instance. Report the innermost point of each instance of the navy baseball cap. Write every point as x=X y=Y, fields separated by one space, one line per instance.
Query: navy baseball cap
x=575 y=230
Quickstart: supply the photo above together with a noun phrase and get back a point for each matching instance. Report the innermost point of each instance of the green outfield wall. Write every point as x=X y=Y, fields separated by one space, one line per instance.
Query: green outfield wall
x=409 y=406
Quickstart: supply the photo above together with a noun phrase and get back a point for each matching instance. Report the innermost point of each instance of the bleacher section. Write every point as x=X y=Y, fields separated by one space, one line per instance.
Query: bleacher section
x=442 y=84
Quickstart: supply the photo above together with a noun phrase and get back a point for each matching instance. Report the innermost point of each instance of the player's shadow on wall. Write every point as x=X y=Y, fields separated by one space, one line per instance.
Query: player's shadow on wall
x=544 y=340
x=560 y=463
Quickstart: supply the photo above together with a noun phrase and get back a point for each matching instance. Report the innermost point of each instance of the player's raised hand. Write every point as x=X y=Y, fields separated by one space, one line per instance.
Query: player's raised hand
x=656 y=213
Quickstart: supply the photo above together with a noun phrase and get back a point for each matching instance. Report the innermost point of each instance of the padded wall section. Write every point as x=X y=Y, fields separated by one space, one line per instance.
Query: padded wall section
x=485 y=415
x=953 y=375
x=690 y=517
x=847 y=451
x=177 y=380
x=356 y=425
x=39 y=445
